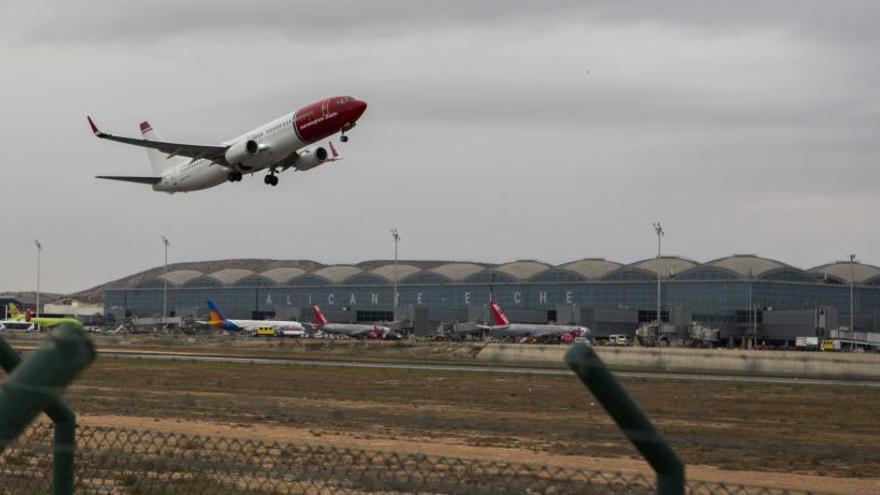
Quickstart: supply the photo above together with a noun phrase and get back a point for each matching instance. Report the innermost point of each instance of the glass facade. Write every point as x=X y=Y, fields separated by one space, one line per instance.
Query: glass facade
x=629 y=292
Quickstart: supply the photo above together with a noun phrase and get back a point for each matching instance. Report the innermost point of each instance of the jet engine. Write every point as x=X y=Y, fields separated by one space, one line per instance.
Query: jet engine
x=242 y=152
x=311 y=158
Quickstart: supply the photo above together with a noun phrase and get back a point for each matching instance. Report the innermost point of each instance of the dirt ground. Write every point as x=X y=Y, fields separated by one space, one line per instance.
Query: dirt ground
x=813 y=437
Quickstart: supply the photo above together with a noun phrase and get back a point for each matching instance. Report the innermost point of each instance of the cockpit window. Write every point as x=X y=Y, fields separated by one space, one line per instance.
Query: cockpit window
x=343 y=99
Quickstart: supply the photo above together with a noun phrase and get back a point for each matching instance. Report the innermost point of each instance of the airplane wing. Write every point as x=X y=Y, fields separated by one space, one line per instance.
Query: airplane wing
x=216 y=154
x=137 y=180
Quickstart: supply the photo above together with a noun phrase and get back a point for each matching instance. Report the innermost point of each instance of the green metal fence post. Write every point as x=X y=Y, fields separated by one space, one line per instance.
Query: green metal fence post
x=9 y=359
x=64 y=448
x=33 y=386
x=584 y=361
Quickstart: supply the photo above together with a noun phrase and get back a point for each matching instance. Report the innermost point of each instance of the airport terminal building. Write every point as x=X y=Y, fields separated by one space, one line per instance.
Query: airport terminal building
x=741 y=295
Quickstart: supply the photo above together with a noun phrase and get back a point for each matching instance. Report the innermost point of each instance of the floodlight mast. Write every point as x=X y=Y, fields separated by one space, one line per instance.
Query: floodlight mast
x=852 y=329
x=39 y=247
x=659 y=230
x=165 y=279
x=396 y=236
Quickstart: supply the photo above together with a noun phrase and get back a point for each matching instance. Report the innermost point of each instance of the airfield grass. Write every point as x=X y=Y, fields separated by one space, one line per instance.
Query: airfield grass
x=810 y=429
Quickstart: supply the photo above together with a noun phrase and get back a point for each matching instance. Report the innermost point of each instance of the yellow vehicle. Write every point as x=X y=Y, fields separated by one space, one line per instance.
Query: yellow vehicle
x=265 y=332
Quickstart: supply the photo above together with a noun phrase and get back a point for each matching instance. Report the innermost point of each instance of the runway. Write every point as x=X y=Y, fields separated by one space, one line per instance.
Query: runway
x=519 y=370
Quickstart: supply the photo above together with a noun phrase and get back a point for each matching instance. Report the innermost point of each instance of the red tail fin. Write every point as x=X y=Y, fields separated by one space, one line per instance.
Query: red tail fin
x=319 y=316
x=498 y=314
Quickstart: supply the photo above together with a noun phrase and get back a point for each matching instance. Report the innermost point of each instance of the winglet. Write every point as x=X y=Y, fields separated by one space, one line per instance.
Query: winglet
x=95 y=130
x=335 y=154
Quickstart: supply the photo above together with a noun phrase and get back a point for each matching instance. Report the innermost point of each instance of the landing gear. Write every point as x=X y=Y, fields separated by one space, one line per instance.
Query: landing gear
x=271 y=180
x=343 y=137
x=234 y=176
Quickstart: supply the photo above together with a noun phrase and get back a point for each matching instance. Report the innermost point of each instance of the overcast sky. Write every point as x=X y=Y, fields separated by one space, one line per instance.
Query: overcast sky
x=744 y=127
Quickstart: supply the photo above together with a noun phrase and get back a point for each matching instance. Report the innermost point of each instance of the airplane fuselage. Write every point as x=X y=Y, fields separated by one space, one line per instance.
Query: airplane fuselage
x=525 y=329
x=355 y=330
x=279 y=143
x=253 y=325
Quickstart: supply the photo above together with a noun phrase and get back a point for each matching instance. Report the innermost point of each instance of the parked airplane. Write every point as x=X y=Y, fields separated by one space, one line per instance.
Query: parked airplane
x=355 y=330
x=504 y=328
x=281 y=144
x=44 y=321
x=286 y=328
x=13 y=313
x=15 y=320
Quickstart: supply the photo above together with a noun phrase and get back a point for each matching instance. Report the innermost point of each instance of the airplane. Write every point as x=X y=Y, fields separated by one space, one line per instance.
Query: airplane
x=15 y=320
x=286 y=142
x=355 y=330
x=504 y=328
x=44 y=321
x=285 y=328
x=13 y=313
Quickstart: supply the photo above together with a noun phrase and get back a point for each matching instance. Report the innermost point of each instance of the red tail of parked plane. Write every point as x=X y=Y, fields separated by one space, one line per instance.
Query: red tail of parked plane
x=498 y=314
x=320 y=319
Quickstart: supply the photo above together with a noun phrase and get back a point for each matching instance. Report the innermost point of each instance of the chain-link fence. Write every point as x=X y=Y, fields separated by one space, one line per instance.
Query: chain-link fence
x=121 y=461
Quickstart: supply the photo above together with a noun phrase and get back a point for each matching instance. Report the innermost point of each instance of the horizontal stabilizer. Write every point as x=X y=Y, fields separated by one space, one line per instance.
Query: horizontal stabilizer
x=138 y=180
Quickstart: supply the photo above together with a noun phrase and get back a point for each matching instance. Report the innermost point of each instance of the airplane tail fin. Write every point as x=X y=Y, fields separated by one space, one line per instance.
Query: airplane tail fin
x=12 y=312
x=215 y=318
x=159 y=162
x=498 y=314
x=319 y=316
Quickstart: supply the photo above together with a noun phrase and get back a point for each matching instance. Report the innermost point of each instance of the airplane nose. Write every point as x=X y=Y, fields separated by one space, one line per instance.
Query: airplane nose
x=360 y=107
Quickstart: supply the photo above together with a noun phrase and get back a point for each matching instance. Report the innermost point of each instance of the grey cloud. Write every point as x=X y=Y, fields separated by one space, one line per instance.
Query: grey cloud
x=315 y=21
x=748 y=128
x=311 y=21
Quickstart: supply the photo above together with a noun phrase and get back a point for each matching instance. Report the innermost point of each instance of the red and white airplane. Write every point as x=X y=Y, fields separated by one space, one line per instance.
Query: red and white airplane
x=286 y=142
x=354 y=330
x=504 y=328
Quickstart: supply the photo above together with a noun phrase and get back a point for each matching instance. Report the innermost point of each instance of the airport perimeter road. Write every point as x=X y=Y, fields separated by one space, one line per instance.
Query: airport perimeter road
x=182 y=356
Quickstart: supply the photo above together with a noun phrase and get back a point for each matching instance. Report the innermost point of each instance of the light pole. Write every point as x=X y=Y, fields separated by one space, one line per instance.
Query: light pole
x=753 y=323
x=165 y=285
x=852 y=329
x=659 y=230
x=39 y=252
x=396 y=237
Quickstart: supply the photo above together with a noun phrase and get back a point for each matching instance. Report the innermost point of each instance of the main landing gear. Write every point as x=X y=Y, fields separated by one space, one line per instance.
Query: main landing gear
x=271 y=180
x=234 y=176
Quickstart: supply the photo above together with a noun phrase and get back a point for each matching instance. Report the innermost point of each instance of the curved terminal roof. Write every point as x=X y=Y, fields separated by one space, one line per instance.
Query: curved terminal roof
x=747 y=265
x=283 y=274
x=457 y=271
x=522 y=270
x=180 y=277
x=840 y=270
x=591 y=268
x=228 y=276
x=730 y=267
x=387 y=271
x=666 y=266
x=337 y=273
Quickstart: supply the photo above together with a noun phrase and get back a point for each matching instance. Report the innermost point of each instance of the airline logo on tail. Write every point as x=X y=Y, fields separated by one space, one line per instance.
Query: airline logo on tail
x=319 y=316
x=498 y=314
x=216 y=319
